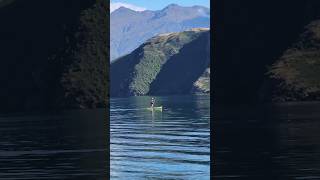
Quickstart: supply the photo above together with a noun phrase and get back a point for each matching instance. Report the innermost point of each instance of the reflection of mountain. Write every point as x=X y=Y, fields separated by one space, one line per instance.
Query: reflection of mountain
x=287 y=140
x=53 y=54
x=129 y=29
x=78 y=135
x=174 y=63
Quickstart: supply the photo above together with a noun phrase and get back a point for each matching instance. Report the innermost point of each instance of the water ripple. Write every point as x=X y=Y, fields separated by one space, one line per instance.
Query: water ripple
x=173 y=144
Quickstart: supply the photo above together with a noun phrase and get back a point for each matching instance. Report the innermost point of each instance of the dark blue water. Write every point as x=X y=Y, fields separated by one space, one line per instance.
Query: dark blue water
x=268 y=142
x=69 y=145
x=172 y=144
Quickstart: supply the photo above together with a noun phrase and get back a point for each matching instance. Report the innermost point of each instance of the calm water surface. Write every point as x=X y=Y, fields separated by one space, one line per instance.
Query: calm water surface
x=70 y=145
x=173 y=144
x=249 y=142
x=280 y=142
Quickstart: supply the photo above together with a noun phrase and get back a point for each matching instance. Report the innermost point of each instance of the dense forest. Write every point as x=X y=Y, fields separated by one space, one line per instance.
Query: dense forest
x=53 y=54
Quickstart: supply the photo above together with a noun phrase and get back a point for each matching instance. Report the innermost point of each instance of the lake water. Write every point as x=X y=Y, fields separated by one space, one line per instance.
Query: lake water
x=172 y=144
x=249 y=142
x=69 y=145
x=281 y=142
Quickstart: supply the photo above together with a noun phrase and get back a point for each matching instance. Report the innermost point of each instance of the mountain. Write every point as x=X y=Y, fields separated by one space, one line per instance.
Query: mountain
x=202 y=85
x=53 y=54
x=4 y=3
x=115 y=5
x=251 y=41
x=172 y=63
x=296 y=73
x=129 y=28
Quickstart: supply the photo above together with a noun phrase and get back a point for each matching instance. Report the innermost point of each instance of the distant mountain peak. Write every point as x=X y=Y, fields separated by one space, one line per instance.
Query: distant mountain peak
x=173 y=5
x=118 y=5
x=124 y=12
x=123 y=9
x=130 y=29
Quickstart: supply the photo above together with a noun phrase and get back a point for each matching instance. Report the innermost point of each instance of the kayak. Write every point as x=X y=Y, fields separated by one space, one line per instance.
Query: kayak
x=159 y=108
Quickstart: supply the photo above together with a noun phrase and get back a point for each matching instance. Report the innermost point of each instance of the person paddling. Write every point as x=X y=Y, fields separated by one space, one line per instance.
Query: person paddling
x=152 y=102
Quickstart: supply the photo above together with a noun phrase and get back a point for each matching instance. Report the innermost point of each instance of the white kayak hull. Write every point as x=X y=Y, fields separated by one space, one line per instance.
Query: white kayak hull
x=155 y=108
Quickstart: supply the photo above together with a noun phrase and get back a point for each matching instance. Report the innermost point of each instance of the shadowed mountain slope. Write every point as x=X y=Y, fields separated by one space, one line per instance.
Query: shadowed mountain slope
x=166 y=64
x=53 y=54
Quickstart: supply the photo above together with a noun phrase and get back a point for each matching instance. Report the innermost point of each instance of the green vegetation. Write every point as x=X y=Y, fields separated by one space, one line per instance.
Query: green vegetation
x=53 y=59
x=298 y=70
x=85 y=79
x=155 y=54
x=4 y=3
x=137 y=73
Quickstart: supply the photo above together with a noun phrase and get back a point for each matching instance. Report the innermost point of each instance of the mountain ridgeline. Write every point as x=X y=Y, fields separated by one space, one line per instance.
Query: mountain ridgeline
x=167 y=64
x=53 y=54
x=266 y=57
x=129 y=29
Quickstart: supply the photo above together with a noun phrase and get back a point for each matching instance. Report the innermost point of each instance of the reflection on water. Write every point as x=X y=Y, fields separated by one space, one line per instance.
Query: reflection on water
x=173 y=144
x=60 y=146
x=280 y=142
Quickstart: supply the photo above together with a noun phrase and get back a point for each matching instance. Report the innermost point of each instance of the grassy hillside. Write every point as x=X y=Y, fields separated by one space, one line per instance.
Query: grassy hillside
x=166 y=64
x=297 y=72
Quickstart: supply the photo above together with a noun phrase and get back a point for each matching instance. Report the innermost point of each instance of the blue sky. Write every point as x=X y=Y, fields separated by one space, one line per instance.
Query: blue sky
x=159 y=4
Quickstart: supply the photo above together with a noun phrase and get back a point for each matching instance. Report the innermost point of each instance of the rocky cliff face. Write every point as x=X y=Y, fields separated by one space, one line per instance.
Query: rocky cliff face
x=202 y=85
